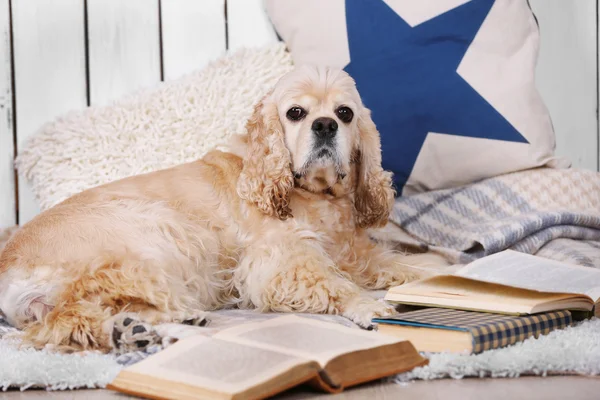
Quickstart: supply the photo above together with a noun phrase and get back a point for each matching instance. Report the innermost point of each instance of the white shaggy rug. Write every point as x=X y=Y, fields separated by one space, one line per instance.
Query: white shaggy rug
x=177 y=122
x=27 y=368
x=574 y=350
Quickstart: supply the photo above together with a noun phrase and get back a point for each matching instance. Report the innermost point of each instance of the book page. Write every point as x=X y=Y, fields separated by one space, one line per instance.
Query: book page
x=525 y=271
x=465 y=293
x=216 y=364
x=305 y=338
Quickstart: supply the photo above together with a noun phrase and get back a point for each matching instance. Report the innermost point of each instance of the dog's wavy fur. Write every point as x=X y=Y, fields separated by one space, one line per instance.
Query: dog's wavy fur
x=236 y=228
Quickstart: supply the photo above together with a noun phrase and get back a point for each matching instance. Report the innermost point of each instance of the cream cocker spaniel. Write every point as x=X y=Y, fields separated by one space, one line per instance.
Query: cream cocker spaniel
x=278 y=222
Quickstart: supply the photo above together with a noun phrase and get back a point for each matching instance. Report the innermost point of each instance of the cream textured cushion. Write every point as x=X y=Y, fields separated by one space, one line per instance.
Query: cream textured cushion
x=177 y=122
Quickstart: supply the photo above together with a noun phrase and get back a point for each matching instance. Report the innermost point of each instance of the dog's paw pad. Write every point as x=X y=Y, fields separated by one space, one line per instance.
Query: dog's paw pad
x=131 y=334
x=138 y=329
x=196 y=321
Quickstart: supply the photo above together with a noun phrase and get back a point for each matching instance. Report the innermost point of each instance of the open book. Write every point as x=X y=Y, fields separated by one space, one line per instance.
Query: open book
x=258 y=360
x=508 y=282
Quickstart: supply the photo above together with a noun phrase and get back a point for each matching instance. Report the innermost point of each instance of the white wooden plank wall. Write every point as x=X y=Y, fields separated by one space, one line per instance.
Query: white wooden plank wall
x=7 y=176
x=248 y=24
x=193 y=33
x=123 y=47
x=566 y=76
x=69 y=54
x=50 y=73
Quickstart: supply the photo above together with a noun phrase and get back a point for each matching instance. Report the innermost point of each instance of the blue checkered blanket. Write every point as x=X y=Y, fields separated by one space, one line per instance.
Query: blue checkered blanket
x=552 y=213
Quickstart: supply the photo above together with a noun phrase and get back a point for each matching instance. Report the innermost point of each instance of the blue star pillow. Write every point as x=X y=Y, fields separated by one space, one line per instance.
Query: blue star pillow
x=450 y=83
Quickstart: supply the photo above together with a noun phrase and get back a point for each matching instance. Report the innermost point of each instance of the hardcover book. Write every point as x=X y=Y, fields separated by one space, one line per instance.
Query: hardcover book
x=258 y=360
x=456 y=331
x=508 y=282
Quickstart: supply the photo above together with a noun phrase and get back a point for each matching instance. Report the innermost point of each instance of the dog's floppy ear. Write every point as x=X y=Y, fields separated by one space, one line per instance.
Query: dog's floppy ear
x=266 y=179
x=374 y=196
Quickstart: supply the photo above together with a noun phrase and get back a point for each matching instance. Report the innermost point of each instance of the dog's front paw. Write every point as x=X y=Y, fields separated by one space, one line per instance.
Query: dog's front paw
x=362 y=309
x=129 y=334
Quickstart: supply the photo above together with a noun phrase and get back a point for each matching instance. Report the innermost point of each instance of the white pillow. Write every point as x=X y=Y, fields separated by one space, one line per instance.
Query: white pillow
x=450 y=83
x=177 y=122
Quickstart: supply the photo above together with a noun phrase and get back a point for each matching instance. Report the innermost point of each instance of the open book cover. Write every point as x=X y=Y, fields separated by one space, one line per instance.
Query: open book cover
x=258 y=360
x=446 y=330
x=508 y=282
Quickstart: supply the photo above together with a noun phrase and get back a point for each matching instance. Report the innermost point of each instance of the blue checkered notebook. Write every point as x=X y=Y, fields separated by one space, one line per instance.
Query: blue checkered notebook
x=457 y=331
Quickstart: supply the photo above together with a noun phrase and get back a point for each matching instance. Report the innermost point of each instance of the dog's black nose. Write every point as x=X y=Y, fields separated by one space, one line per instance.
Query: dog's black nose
x=325 y=128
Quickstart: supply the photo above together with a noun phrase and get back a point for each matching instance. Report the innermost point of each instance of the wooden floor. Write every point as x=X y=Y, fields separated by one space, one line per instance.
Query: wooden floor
x=571 y=388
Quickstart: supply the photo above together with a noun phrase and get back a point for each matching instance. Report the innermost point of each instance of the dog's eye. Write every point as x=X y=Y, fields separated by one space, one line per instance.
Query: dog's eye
x=345 y=114
x=296 y=113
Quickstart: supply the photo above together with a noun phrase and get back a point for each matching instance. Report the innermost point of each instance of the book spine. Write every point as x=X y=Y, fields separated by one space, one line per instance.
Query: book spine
x=504 y=333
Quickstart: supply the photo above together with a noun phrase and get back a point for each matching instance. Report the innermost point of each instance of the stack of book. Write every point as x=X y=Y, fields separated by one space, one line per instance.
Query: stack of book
x=493 y=302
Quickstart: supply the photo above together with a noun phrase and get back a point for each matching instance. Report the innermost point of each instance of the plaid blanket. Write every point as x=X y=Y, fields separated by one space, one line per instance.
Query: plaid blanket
x=548 y=212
